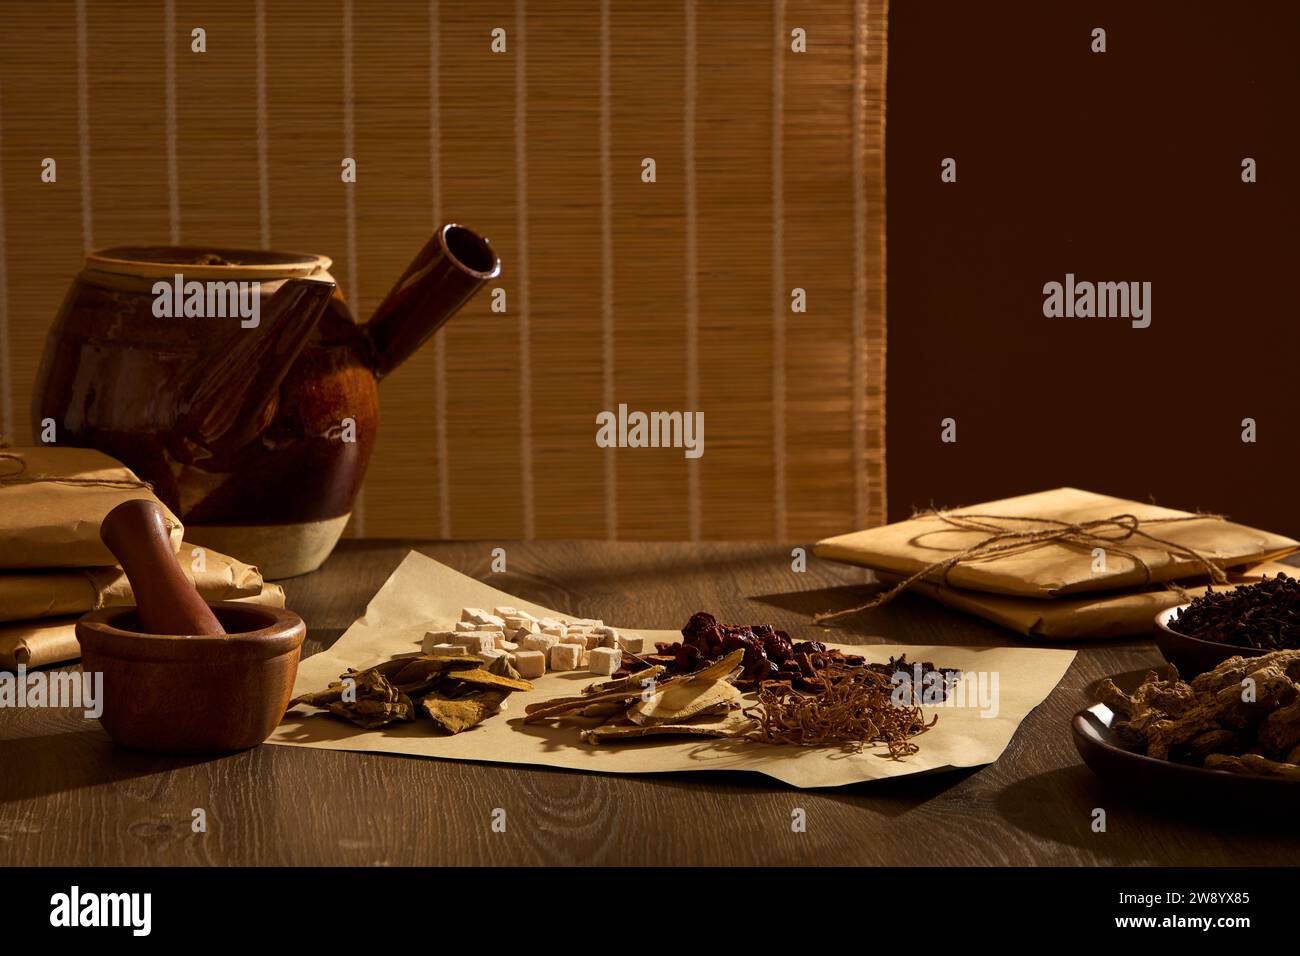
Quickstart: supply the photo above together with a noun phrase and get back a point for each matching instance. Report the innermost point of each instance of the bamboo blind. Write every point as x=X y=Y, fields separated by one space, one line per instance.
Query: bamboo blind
x=671 y=295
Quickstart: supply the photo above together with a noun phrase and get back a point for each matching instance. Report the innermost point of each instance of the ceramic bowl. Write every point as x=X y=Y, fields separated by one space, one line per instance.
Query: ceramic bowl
x=1184 y=784
x=193 y=695
x=1191 y=655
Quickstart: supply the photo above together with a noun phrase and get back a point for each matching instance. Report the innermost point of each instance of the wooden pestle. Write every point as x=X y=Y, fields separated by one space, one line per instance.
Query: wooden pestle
x=136 y=532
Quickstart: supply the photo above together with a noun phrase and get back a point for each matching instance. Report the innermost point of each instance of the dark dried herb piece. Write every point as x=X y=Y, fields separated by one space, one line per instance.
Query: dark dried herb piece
x=855 y=708
x=456 y=693
x=1264 y=616
x=364 y=697
x=770 y=654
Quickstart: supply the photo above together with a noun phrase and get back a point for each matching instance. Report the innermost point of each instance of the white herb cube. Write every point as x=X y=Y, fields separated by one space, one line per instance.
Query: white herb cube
x=539 y=642
x=530 y=664
x=566 y=657
x=476 y=641
x=605 y=660
x=632 y=643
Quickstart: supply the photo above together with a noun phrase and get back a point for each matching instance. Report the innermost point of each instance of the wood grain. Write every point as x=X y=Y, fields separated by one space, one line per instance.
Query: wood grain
x=69 y=797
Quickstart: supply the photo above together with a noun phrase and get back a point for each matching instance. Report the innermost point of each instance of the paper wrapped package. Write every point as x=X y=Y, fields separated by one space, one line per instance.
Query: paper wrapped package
x=53 y=641
x=26 y=595
x=1144 y=544
x=1083 y=618
x=424 y=595
x=52 y=501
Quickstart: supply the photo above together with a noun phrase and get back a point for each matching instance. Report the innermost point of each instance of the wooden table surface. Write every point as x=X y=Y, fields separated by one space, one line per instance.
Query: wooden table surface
x=68 y=796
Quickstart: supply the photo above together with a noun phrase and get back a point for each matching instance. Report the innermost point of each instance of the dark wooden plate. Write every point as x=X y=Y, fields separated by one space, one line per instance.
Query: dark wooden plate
x=1108 y=759
x=1191 y=655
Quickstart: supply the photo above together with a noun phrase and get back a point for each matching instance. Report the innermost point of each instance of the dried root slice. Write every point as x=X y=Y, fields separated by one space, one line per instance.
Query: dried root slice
x=1211 y=741
x=455 y=716
x=677 y=701
x=721 y=668
x=604 y=711
x=1114 y=698
x=734 y=727
x=372 y=714
x=625 y=683
x=414 y=666
x=502 y=667
x=556 y=706
x=1280 y=731
x=630 y=690
x=358 y=685
x=320 y=698
x=1253 y=764
x=422 y=674
x=485 y=678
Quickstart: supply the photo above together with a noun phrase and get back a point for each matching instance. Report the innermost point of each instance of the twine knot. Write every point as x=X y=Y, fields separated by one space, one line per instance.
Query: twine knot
x=1002 y=538
x=19 y=476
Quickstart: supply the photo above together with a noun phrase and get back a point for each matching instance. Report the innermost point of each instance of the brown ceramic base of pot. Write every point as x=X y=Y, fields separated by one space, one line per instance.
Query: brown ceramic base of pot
x=280 y=551
x=193 y=695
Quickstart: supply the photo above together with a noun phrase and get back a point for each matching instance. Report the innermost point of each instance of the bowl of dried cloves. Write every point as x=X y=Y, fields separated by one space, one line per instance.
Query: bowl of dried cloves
x=1246 y=621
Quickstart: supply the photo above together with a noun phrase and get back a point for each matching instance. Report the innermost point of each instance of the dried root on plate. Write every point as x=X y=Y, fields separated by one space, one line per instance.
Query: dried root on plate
x=1243 y=716
x=455 y=693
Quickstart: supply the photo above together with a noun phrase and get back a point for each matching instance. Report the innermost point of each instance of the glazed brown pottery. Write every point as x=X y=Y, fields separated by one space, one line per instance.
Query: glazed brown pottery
x=256 y=435
x=1178 y=783
x=193 y=694
x=1191 y=655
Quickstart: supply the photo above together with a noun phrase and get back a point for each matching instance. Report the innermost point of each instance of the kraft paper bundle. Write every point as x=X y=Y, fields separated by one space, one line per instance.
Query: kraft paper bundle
x=53 y=641
x=50 y=593
x=423 y=594
x=1144 y=544
x=1087 y=617
x=52 y=501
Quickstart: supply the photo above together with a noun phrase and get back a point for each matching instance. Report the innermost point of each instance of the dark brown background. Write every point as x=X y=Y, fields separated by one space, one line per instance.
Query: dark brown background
x=1117 y=166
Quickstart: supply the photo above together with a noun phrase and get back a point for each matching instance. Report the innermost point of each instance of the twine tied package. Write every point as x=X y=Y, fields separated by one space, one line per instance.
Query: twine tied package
x=1047 y=545
x=51 y=593
x=54 y=640
x=52 y=501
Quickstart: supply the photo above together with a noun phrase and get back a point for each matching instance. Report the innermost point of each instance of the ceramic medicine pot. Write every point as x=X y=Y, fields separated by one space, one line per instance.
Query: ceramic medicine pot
x=255 y=431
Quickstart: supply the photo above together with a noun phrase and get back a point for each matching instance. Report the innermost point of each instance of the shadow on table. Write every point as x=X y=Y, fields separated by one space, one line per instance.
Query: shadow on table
x=1059 y=805
x=913 y=619
x=61 y=763
x=909 y=618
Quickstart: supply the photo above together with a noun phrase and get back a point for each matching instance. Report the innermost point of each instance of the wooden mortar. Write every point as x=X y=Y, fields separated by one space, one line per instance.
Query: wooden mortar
x=180 y=675
x=193 y=694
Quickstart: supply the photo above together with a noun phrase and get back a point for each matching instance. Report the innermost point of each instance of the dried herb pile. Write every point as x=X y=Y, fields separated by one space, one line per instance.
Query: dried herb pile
x=1265 y=616
x=855 y=707
x=644 y=705
x=454 y=693
x=807 y=695
x=769 y=655
x=1243 y=716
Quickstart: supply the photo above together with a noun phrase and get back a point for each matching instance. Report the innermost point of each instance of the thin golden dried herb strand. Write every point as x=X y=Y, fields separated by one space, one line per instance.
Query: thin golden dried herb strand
x=855 y=708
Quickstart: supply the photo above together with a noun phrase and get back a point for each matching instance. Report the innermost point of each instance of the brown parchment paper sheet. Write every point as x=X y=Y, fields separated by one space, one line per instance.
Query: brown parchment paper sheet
x=423 y=594
x=907 y=547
